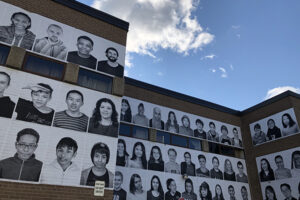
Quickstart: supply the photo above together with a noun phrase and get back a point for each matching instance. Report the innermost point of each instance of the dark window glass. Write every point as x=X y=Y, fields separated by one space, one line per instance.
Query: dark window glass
x=195 y=144
x=124 y=130
x=140 y=132
x=214 y=147
x=163 y=137
x=44 y=67
x=226 y=150
x=4 y=51
x=94 y=80
x=179 y=141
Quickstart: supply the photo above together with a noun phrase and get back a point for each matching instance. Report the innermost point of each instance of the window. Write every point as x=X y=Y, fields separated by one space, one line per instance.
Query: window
x=195 y=144
x=179 y=141
x=44 y=66
x=125 y=130
x=140 y=132
x=214 y=147
x=4 y=51
x=163 y=137
x=94 y=80
x=226 y=150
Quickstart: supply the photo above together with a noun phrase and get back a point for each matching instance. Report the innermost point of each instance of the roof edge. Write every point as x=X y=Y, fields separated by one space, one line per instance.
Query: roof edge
x=94 y=13
x=180 y=96
x=271 y=100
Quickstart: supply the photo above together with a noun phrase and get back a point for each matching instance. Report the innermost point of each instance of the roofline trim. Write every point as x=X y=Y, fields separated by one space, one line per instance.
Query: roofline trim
x=94 y=13
x=180 y=96
x=271 y=100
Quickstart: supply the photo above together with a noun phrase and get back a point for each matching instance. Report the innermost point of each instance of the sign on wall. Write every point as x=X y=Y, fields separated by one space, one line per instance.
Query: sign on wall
x=150 y=115
x=279 y=174
x=145 y=169
x=279 y=125
x=56 y=133
x=59 y=41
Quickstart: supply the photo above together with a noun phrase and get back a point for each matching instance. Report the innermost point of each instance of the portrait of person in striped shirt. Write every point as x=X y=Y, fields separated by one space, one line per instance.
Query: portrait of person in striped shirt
x=72 y=118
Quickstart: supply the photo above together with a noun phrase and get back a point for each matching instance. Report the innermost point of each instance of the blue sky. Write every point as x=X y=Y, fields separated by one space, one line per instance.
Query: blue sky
x=234 y=53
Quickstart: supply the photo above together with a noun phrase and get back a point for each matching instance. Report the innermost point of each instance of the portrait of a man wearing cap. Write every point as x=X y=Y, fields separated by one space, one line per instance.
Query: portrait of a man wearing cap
x=36 y=110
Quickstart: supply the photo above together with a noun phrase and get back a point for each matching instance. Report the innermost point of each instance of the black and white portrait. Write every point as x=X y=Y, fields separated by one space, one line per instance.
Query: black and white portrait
x=126 y=115
x=52 y=44
x=6 y=104
x=138 y=158
x=111 y=65
x=72 y=117
x=172 y=193
x=23 y=165
x=156 y=121
x=202 y=171
x=156 y=161
x=119 y=192
x=83 y=54
x=100 y=155
x=140 y=118
x=36 y=110
x=185 y=128
x=122 y=155
x=104 y=120
x=172 y=166
x=156 y=191
x=136 y=190
x=17 y=31
x=187 y=167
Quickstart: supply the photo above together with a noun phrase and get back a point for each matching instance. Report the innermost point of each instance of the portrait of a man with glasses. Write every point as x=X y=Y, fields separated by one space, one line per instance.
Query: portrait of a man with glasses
x=23 y=165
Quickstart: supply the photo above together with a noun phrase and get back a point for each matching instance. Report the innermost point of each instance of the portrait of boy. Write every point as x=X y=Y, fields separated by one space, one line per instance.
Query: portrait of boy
x=62 y=170
x=23 y=165
x=6 y=105
x=83 y=56
x=36 y=111
x=52 y=45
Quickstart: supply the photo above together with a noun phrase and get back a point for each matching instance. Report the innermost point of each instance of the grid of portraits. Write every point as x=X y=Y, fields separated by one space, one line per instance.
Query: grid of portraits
x=279 y=174
x=59 y=41
x=279 y=125
x=150 y=115
x=152 y=164
x=56 y=133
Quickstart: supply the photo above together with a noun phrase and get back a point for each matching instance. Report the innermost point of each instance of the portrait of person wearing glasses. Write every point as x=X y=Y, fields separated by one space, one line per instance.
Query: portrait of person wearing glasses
x=23 y=165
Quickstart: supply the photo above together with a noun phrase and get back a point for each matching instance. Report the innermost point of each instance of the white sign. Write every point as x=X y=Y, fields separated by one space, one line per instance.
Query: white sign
x=99 y=188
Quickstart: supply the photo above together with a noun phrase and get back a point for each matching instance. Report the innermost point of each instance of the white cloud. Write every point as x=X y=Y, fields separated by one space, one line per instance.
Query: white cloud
x=126 y=73
x=154 y=24
x=213 y=70
x=231 y=67
x=276 y=91
x=238 y=36
x=223 y=72
x=160 y=74
x=235 y=26
x=128 y=59
x=211 y=56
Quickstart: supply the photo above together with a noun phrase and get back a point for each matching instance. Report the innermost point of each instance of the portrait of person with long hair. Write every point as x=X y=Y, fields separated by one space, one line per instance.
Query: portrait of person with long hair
x=156 y=191
x=136 y=191
x=138 y=158
x=204 y=191
x=18 y=33
x=122 y=155
x=218 y=193
x=100 y=155
x=266 y=173
x=235 y=141
x=289 y=125
x=156 y=161
x=189 y=190
x=295 y=166
x=270 y=193
x=125 y=111
x=104 y=120
x=229 y=174
x=273 y=131
x=172 y=124
x=172 y=193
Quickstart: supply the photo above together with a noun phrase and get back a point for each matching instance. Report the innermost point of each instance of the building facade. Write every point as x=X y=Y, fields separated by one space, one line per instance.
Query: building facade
x=69 y=118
